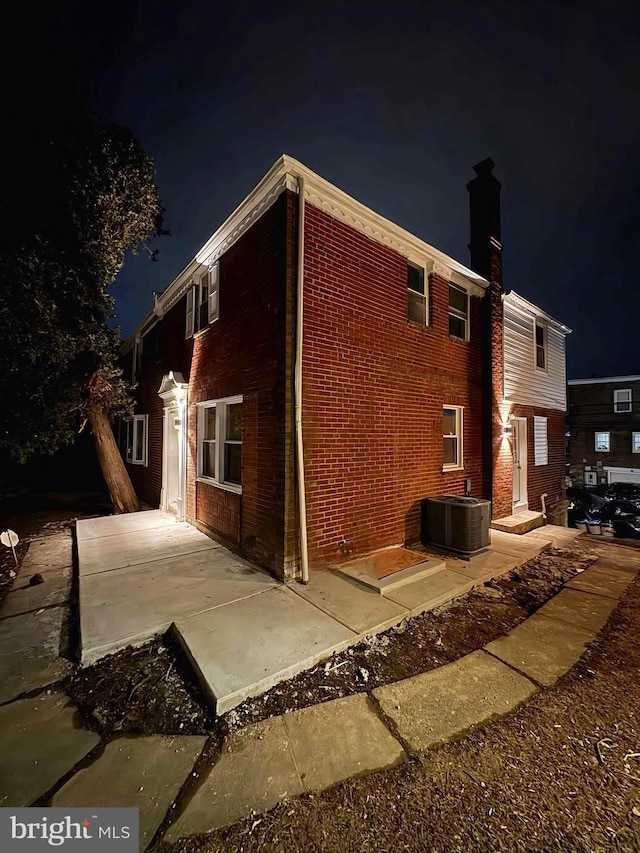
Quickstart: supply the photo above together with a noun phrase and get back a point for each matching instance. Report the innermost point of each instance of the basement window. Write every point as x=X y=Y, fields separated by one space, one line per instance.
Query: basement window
x=603 y=442
x=220 y=443
x=416 y=295
x=136 y=439
x=458 y=312
x=452 y=438
x=635 y=442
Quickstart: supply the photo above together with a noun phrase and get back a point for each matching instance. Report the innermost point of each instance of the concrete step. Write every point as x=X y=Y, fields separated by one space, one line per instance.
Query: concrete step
x=520 y=523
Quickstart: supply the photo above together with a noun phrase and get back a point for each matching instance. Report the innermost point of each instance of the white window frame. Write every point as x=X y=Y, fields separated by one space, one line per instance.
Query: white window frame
x=130 y=443
x=458 y=465
x=190 y=312
x=213 y=300
x=221 y=429
x=590 y=478
x=635 y=442
x=454 y=312
x=538 y=324
x=596 y=442
x=424 y=296
x=617 y=402
x=540 y=441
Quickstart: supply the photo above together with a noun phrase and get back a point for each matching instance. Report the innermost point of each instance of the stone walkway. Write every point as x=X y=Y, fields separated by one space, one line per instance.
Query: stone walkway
x=47 y=757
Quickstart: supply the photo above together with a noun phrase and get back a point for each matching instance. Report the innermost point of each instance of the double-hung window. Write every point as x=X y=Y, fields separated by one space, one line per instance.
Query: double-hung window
x=220 y=442
x=458 y=312
x=416 y=294
x=622 y=400
x=635 y=442
x=452 y=426
x=203 y=301
x=541 y=346
x=603 y=442
x=136 y=439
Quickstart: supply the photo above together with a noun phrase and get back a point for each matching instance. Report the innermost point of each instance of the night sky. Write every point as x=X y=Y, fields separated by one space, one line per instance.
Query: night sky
x=394 y=103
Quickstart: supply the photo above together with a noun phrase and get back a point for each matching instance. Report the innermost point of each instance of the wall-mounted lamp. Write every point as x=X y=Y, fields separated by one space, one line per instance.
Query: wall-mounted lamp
x=507 y=429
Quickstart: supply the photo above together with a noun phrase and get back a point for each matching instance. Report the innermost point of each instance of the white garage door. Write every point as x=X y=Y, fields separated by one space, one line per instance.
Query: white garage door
x=623 y=475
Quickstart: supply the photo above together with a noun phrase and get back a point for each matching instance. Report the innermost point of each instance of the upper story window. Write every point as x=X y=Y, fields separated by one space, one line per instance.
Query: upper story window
x=622 y=400
x=136 y=360
x=219 y=440
x=202 y=301
x=458 y=312
x=416 y=294
x=452 y=437
x=603 y=442
x=541 y=346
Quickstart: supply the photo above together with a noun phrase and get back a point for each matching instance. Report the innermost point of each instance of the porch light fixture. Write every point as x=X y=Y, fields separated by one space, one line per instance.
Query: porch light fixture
x=507 y=429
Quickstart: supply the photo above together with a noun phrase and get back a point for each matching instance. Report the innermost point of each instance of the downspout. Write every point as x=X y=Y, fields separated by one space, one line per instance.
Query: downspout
x=302 y=498
x=544 y=507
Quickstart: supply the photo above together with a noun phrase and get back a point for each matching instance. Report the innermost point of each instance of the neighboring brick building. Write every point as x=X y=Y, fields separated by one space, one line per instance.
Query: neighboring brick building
x=401 y=390
x=604 y=430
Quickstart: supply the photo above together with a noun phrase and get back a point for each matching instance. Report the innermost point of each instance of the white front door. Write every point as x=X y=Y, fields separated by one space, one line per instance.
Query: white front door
x=173 y=485
x=519 y=447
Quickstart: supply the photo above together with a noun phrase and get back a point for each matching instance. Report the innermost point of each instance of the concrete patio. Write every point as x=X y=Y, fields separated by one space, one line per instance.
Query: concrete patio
x=145 y=573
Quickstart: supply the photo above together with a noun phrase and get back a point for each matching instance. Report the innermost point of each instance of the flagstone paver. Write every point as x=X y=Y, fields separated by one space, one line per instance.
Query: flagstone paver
x=23 y=598
x=439 y=704
x=582 y=609
x=602 y=579
x=280 y=758
x=40 y=741
x=542 y=648
x=143 y=772
x=30 y=647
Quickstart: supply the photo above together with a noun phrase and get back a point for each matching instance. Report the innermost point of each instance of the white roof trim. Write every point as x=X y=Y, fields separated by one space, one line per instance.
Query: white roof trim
x=529 y=307
x=598 y=380
x=283 y=175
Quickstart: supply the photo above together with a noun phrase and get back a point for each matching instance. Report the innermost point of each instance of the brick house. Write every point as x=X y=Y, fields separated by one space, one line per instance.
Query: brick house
x=321 y=325
x=604 y=430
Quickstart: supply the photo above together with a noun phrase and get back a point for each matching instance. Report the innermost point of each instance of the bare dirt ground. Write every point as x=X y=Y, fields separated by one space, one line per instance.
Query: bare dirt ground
x=560 y=774
x=152 y=689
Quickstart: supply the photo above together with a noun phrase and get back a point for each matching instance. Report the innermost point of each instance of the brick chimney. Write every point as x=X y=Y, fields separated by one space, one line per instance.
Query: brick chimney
x=486 y=259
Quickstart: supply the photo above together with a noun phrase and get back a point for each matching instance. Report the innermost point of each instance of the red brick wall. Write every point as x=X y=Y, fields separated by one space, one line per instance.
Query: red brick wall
x=374 y=388
x=244 y=353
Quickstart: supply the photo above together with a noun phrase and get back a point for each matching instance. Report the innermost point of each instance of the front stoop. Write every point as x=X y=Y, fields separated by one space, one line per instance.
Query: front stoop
x=519 y=524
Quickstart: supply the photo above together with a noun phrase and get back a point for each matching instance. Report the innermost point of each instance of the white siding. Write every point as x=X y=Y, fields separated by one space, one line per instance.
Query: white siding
x=540 y=442
x=523 y=383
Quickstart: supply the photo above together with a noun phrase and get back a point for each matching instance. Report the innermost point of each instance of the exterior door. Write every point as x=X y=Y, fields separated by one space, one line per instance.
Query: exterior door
x=519 y=448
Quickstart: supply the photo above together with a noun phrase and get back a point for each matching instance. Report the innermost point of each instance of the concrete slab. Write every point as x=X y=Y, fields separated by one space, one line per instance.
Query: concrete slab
x=435 y=706
x=365 y=742
x=30 y=646
x=23 y=598
x=483 y=567
x=542 y=648
x=244 y=648
x=143 y=772
x=285 y=756
x=602 y=580
x=112 y=525
x=53 y=551
x=431 y=592
x=255 y=772
x=581 y=609
x=524 y=548
x=349 y=602
x=40 y=741
x=131 y=605
x=105 y=553
x=619 y=562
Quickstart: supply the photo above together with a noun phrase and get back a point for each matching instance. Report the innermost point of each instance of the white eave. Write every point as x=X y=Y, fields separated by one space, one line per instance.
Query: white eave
x=283 y=175
x=530 y=308
x=597 y=380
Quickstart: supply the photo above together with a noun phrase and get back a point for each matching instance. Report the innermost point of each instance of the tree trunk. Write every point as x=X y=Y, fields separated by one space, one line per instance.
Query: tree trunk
x=113 y=468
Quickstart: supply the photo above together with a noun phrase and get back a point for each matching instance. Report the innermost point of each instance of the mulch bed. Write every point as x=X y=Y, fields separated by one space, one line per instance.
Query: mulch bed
x=559 y=775
x=152 y=689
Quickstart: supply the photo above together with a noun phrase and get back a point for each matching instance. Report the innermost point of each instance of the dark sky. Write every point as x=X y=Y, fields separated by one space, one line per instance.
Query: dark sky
x=394 y=103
